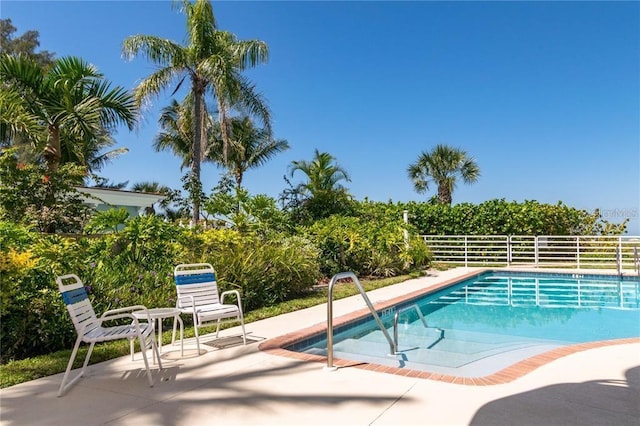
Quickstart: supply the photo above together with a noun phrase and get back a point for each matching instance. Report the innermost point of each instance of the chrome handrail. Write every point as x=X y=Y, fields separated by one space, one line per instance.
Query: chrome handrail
x=395 y=323
x=353 y=277
x=619 y=260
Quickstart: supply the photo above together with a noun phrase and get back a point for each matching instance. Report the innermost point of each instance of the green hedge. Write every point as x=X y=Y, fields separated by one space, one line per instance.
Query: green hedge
x=367 y=247
x=134 y=266
x=496 y=217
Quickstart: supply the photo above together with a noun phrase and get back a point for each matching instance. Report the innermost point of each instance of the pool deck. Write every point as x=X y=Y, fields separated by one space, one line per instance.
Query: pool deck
x=233 y=384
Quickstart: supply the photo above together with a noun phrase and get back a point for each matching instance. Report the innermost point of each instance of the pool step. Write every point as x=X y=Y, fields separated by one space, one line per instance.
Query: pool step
x=456 y=341
x=481 y=361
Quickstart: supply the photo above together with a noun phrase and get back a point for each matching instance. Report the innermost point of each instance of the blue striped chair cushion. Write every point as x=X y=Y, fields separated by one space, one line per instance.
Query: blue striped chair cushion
x=74 y=296
x=195 y=278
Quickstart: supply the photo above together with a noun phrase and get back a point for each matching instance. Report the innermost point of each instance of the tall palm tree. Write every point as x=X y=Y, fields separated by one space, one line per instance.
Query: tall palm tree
x=323 y=174
x=212 y=60
x=443 y=166
x=68 y=102
x=249 y=147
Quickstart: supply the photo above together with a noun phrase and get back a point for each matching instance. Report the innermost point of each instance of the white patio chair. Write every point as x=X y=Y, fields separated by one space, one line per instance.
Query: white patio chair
x=198 y=295
x=90 y=329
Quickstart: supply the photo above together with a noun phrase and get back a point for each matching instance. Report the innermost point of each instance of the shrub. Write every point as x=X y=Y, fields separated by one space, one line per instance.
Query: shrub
x=135 y=266
x=30 y=195
x=266 y=271
x=33 y=319
x=367 y=246
x=495 y=217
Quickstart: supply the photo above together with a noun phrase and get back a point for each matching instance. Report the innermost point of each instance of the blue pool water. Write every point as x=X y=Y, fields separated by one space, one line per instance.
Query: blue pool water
x=486 y=323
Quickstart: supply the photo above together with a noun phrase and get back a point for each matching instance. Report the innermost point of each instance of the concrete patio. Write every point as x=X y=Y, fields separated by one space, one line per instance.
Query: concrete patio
x=241 y=385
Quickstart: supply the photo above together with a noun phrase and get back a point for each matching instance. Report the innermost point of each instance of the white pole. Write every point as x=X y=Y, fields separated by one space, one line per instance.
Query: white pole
x=405 y=218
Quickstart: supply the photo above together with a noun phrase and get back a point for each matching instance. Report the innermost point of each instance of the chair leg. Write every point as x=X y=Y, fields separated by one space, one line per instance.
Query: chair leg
x=156 y=350
x=143 y=349
x=74 y=352
x=173 y=335
x=218 y=328
x=244 y=334
x=86 y=359
x=181 y=334
x=195 y=328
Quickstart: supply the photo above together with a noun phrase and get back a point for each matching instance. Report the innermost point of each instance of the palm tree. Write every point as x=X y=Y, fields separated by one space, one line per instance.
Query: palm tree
x=322 y=194
x=212 y=60
x=323 y=174
x=15 y=117
x=443 y=165
x=89 y=151
x=153 y=188
x=176 y=134
x=68 y=102
x=249 y=147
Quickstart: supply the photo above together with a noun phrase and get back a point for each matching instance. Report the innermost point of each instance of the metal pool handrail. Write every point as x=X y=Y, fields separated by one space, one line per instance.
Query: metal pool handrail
x=396 y=316
x=353 y=277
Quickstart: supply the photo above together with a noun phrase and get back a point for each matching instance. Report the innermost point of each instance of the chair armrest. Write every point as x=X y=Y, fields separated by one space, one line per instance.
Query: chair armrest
x=236 y=292
x=125 y=309
x=126 y=312
x=103 y=319
x=188 y=298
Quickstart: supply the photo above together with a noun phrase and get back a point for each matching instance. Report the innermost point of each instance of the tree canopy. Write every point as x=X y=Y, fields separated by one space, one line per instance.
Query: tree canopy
x=24 y=44
x=443 y=165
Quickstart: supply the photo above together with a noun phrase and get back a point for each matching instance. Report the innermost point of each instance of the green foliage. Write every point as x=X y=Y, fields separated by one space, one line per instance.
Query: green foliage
x=33 y=318
x=496 y=217
x=24 y=44
x=31 y=195
x=321 y=194
x=443 y=165
x=367 y=247
x=71 y=103
x=213 y=60
x=107 y=221
x=265 y=270
x=135 y=266
x=245 y=213
x=322 y=205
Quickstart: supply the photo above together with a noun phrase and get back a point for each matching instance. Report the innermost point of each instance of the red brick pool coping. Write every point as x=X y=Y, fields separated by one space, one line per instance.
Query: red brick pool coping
x=276 y=346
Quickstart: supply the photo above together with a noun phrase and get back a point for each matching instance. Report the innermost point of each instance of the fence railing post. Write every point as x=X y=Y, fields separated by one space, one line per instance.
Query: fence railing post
x=619 y=256
x=466 y=252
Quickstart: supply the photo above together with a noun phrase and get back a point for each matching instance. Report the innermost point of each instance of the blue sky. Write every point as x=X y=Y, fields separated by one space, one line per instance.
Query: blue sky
x=544 y=95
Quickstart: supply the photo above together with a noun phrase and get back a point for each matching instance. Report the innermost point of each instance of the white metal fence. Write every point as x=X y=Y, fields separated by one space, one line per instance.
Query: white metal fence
x=603 y=252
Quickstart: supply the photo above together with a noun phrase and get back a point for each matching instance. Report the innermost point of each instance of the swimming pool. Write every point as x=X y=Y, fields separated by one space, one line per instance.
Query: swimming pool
x=486 y=323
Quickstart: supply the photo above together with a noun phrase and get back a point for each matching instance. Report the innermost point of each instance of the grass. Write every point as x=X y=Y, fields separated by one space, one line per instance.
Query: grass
x=20 y=371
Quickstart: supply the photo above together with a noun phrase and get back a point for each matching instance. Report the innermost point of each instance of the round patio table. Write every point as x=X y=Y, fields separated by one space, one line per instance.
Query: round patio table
x=157 y=315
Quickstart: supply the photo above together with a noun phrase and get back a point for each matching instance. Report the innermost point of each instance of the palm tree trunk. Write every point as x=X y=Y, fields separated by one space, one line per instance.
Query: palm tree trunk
x=444 y=194
x=224 y=130
x=52 y=157
x=52 y=150
x=196 y=154
x=238 y=177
